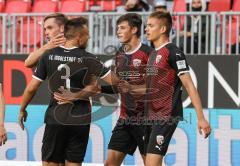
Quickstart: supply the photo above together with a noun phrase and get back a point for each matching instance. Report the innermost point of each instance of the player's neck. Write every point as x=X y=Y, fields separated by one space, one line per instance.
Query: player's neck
x=71 y=44
x=160 y=42
x=132 y=44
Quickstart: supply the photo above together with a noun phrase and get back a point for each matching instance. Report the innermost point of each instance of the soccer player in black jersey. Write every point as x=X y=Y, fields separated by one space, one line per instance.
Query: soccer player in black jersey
x=130 y=64
x=67 y=130
x=3 y=133
x=167 y=71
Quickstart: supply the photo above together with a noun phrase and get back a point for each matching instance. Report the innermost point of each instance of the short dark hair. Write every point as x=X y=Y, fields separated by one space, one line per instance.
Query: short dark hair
x=166 y=19
x=60 y=18
x=133 y=19
x=74 y=25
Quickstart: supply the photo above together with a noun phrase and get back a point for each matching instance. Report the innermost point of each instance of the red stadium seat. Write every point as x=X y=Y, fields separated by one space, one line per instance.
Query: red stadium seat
x=179 y=6
x=236 y=5
x=34 y=31
x=73 y=6
x=18 y=6
x=45 y=6
x=219 y=5
x=91 y=2
x=2 y=5
x=108 y=5
x=109 y=2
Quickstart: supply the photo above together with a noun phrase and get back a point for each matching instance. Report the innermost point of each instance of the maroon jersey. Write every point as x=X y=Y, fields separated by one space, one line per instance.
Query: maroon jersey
x=163 y=84
x=132 y=68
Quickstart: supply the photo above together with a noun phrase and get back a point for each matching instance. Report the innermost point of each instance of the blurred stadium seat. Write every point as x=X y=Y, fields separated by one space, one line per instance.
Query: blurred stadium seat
x=236 y=5
x=108 y=5
x=2 y=5
x=45 y=6
x=219 y=5
x=73 y=6
x=18 y=6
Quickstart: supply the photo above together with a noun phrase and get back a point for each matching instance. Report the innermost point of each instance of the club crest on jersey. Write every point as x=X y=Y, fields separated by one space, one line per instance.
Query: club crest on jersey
x=136 y=63
x=158 y=58
x=160 y=139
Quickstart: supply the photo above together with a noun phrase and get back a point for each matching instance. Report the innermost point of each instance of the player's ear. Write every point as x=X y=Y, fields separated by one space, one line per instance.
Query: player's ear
x=163 y=29
x=134 y=30
x=62 y=28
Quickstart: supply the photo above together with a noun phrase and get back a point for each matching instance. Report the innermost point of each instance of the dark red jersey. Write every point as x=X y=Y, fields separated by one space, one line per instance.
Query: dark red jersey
x=163 y=82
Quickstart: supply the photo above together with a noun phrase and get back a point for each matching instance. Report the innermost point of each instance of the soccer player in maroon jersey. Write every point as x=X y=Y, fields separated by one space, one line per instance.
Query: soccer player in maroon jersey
x=167 y=71
x=130 y=65
x=3 y=133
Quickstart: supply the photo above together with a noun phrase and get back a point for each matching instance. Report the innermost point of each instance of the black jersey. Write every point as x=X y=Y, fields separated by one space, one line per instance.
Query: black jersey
x=164 y=85
x=72 y=69
x=132 y=68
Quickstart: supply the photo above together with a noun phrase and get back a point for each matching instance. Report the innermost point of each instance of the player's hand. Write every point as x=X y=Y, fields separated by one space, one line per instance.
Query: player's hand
x=204 y=127
x=56 y=41
x=3 y=135
x=123 y=86
x=64 y=96
x=22 y=118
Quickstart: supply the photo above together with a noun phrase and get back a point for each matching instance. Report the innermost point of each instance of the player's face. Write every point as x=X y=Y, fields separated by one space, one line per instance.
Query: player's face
x=51 y=28
x=84 y=37
x=154 y=29
x=124 y=32
x=196 y=3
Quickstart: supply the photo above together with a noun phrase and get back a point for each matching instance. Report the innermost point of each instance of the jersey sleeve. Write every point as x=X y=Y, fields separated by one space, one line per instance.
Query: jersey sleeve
x=178 y=62
x=40 y=72
x=96 y=67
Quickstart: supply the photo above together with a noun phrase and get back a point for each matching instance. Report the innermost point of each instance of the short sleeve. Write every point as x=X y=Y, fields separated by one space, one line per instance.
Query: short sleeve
x=40 y=72
x=178 y=62
x=96 y=67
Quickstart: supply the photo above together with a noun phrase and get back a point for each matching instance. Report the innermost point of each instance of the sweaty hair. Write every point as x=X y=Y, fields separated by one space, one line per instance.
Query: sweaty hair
x=74 y=26
x=133 y=19
x=165 y=18
x=60 y=18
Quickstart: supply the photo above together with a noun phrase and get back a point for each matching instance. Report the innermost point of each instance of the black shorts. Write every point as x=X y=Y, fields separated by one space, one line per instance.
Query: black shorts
x=158 y=136
x=126 y=138
x=62 y=143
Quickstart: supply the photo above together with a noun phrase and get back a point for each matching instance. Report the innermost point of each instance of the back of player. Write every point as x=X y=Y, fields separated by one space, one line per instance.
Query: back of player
x=67 y=126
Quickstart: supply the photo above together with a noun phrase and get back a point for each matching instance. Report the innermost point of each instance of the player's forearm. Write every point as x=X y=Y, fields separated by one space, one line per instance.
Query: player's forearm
x=86 y=92
x=27 y=97
x=196 y=101
x=34 y=57
x=111 y=79
x=2 y=106
x=2 y=110
x=138 y=89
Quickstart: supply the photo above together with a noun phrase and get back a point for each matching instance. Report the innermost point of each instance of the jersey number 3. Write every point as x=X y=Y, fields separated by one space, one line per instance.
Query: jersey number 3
x=66 y=77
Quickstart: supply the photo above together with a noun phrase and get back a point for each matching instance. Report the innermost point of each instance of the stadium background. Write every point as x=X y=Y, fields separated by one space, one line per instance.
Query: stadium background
x=216 y=73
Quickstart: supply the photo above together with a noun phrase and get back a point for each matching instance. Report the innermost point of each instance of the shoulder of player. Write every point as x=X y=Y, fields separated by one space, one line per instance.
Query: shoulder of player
x=146 y=49
x=174 y=50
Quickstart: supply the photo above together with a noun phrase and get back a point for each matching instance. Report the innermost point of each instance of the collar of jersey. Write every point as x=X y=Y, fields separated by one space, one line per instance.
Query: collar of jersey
x=135 y=50
x=162 y=46
x=68 y=48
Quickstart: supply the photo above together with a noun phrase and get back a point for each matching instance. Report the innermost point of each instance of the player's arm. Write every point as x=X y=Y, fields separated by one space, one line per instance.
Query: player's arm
x=39 y=75
x=135 y=90
x=34 y=57
x=3 y=134
x=89 y=90
x=28 y=94
x=66 y=96
x=194 y=96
